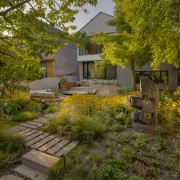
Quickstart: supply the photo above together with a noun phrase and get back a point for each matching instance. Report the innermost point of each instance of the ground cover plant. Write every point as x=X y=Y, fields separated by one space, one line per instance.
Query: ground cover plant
x=110 y=148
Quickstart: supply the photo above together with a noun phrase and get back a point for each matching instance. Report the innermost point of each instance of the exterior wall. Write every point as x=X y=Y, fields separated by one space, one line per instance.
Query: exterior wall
x=62 y=63
x=99 y=24
x=96 y=25
x=124 y=75
x=65 y=62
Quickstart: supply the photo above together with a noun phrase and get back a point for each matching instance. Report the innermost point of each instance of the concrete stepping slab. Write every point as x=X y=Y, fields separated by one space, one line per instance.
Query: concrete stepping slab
x=31 y=173
x=10 y=177
x=35 y=123
x=30 y=132
x=57 y=147
x=42 y=142
x=49 y=115
x=28 y=125
x=42 y=120
x=33 y=135
x=39 y=161
x=35 y=140
x=67 y=148
x=24 y=131
x=51 y=143
x=16 y=129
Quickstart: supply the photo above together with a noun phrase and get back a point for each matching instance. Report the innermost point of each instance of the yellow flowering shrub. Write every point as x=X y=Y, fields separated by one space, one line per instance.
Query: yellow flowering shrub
x=169 y=111
x=77 y=105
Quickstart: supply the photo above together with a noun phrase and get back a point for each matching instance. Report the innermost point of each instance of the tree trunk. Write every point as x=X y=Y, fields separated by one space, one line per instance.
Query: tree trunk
x=133 y=73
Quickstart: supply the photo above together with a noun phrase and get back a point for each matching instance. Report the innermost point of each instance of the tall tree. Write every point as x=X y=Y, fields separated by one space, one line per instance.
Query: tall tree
x=29 y=28
x=122 y=48
x=156 y=24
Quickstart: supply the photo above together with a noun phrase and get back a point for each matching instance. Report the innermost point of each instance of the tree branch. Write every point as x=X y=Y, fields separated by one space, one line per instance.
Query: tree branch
x=3 y=13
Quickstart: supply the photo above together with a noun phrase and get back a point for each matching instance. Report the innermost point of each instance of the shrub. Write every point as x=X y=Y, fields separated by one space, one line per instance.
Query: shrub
x=10 y=143
x=53 y=126
x=14 y=106
x=52 y=108
x=124 y=90
x=88 y=128
x=25 y=116
x=113 y=169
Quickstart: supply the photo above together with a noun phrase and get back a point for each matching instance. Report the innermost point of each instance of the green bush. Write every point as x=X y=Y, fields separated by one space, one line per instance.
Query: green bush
x=52 y=108
x=25 y=116
x=124 y=90
x=14 y=106
x=53 y=126
x=88 y=128
x=113 y=169
x=10 y=143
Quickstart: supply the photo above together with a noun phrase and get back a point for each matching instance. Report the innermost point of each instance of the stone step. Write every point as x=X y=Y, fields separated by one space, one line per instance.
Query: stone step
x=29 y=133
x=51 y=143
x=42 y=142
x=67 y=148
x=39 y=161
x=42 y=120
x=24 y=131
x=57 y=147
x=35 y=123
x=28 y=125
x=10 y=177
x=31 y=173
x=35 y=140
x=32 y=136
x=16 y=129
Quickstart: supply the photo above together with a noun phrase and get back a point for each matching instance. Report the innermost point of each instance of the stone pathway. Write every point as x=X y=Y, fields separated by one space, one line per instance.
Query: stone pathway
x=46 y=149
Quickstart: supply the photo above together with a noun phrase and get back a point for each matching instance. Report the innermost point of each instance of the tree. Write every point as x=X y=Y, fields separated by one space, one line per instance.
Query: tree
x=29 y=28
x=122 y=48
x=156 y=23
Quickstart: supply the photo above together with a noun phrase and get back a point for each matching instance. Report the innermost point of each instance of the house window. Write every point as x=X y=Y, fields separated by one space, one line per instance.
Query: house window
x=44 y=65
x=88 y=70
x=90 y=48
x=110 y=72
x=159 y=77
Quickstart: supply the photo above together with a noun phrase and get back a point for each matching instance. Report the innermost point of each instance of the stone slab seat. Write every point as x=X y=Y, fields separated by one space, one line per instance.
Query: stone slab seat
x=39 y=161
x=10 y=177
x=75 y=92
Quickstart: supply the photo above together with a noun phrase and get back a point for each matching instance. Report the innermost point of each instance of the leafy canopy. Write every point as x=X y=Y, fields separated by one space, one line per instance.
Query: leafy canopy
x=29 y=28
x=156 y=23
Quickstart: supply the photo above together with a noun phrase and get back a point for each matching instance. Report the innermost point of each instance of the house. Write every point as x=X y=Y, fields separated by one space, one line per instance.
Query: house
x=166 y=77
x=62 y=63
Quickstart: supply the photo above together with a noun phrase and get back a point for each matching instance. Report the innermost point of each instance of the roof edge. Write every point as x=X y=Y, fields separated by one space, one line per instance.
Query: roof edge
x=94 y=18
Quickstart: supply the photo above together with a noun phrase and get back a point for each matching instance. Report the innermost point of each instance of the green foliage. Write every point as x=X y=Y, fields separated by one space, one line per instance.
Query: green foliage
x=164 y=129
x=87 y=128
x=25 y=116
x=52 y=108
x=53 y=126
x=30 y=28
x=14 y=106
x=123 y=91
x=63 y=80
x=113 y=169
x=127 y=155
x=156 y=24
x=141 y=141
x=10 y=143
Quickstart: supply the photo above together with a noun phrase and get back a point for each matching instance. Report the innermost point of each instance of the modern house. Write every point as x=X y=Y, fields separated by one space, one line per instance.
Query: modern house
x=166 y=77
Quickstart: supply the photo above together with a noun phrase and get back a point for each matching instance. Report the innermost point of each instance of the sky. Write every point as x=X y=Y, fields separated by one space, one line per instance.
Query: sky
x=105 y=6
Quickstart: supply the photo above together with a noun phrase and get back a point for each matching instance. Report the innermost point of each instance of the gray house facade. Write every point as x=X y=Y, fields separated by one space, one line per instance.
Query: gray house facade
x=166 y=77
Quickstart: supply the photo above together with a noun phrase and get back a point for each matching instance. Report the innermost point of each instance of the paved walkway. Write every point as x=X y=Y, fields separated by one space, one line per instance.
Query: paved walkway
x=43 y=146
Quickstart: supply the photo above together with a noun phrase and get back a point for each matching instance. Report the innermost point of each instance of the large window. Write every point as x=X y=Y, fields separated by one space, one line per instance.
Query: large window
x=90 y=48
x=88 y=70
x=159 y=77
